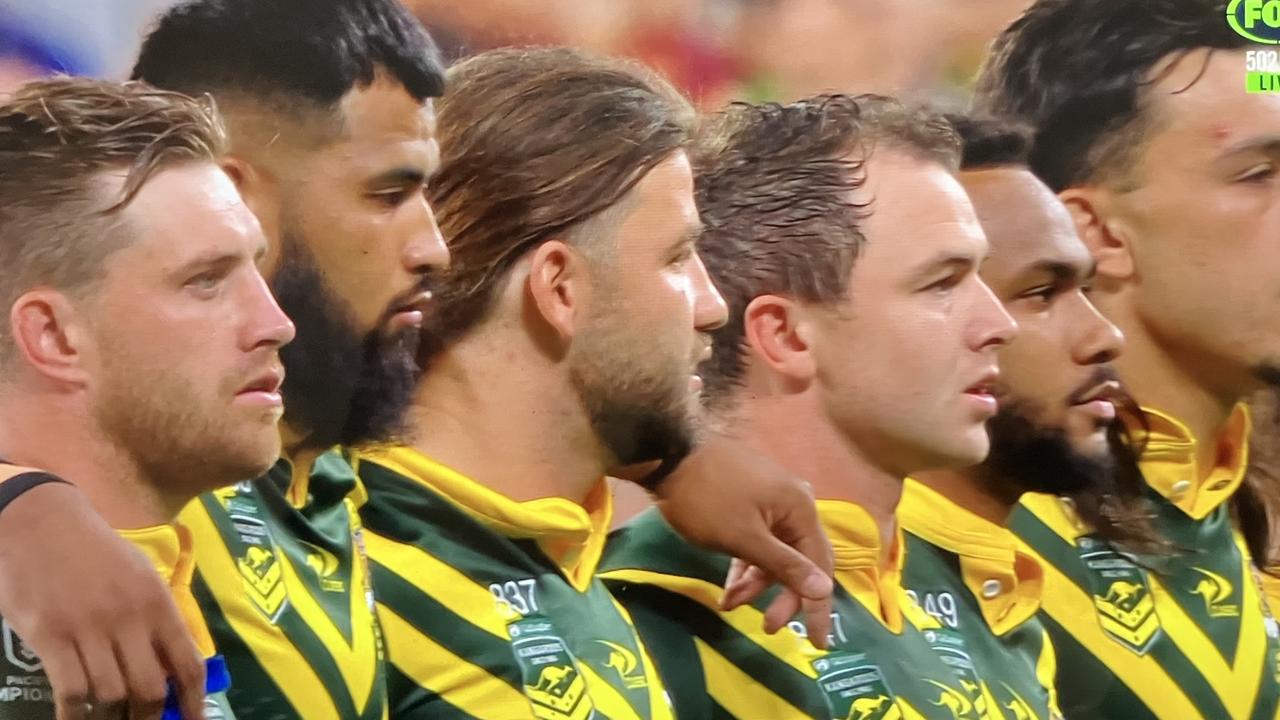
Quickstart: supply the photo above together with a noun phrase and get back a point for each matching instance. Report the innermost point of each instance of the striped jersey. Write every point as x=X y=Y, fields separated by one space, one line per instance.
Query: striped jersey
x=25 y=693
x=491 y=607
x=1186 y=636
x=969 y=574
x=882 y=662
x=283 y=584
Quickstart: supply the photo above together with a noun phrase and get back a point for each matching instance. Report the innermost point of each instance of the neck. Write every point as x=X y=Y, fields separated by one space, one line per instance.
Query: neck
x=300 y=455
x=1154 y=376
x=964 y=488
x=58 y=436
x=506 y=422
x=794 y=432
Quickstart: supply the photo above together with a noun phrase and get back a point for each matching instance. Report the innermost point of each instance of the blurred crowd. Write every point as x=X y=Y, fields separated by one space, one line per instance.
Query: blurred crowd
x=716 y=50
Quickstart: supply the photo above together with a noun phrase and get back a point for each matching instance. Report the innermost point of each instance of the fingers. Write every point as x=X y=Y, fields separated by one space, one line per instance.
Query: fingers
x=183 y=662
x=107 y=688
x=817 y=620
x=744 y=584
x=791 y=567
x=66 y=676
x=780 y=611
x=144 y=674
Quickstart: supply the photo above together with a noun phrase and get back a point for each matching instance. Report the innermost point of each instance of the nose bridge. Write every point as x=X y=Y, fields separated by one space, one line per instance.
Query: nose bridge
x=424 y=247
x=1095 y=339
x=267 y=323
x=710 y=309
x=992 y=324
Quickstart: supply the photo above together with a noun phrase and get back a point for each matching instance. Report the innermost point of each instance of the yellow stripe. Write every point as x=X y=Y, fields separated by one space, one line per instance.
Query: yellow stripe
x=785 y=645
x=659 y=703
x=290 y=671
x=1047 y=672
x=606 y=697
x=462 y=683
x=356 y=662
x=738 y=692
x=1191 y=639
x=438 y=580
x=1073 y=609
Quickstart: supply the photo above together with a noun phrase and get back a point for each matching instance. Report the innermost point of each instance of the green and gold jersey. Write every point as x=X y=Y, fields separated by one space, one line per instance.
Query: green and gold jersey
x=1187 y=636
x=491 y=607
x=26 y=694
x=882 y=663
x=969 y=574
x=283 y=584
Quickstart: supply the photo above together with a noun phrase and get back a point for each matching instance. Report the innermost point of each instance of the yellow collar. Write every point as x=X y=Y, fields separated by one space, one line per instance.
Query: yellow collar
x=855 y=541
x=1169 y=461
x=170 y=549
x=1007 y=584
x=571 y=535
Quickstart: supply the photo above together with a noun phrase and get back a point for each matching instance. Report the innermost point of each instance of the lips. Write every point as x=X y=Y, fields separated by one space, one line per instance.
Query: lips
x=268 y=382
x=986 y=386
x=1107 y=390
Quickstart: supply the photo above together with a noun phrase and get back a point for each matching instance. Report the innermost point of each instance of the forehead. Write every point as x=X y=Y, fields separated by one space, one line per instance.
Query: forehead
x=185 y=210
x=383 y=123
x=1024 y=221
x=662 y=203
x=1201 y=108
x=918 y=211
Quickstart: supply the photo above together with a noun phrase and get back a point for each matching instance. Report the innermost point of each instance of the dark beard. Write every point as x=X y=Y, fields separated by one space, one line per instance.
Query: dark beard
x=340 y=387
x=1028 y=457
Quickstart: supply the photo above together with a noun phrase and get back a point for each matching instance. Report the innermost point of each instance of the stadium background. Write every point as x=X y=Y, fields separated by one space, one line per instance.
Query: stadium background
x=715 y=49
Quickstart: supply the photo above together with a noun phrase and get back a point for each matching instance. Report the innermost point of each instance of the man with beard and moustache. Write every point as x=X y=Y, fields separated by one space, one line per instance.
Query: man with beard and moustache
x=140 y=353
x=329 y=110
x=1168 y=167
x=328 y=106
x=860 y=348
x=1056 y=394
x=565 y=343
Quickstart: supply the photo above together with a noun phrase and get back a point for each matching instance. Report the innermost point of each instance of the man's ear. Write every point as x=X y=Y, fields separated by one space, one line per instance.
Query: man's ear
x=780 y=334
x=1107 y=237
x=260 y=192
x=559 y=287
x=50 y=336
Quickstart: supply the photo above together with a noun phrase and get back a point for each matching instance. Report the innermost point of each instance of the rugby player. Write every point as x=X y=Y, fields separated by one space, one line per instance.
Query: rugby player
x=565 y=342
x=1169 y=170
x=861 y=347
x=140 y=357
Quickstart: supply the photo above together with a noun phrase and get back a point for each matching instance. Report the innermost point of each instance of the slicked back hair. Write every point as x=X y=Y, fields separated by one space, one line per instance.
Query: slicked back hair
x=536 y=143
x=776 y=188
x=289 y=55
x=58 y=138
x=1079 y=72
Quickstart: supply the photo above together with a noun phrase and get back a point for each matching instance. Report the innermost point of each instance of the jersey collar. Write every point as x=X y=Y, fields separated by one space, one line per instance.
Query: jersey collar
x=855 y=541
x=1008 y=584
x=1169 y=463
x=170 y=549
x=571 y=535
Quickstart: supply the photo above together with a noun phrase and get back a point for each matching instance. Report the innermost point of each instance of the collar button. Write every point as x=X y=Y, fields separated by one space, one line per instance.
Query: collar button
x=1220 y=485
x=992 y=588
x=1179 y=489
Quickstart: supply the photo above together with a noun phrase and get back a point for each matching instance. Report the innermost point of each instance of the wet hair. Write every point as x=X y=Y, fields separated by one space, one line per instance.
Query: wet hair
x=1079 y=72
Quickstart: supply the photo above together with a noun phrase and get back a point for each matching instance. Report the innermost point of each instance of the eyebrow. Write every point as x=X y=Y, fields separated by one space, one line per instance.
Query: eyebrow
x=690 y=237
x=1267 y=144
x=1062 y=271
x=949 y=262
x=209 y=261
x=400 y=176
